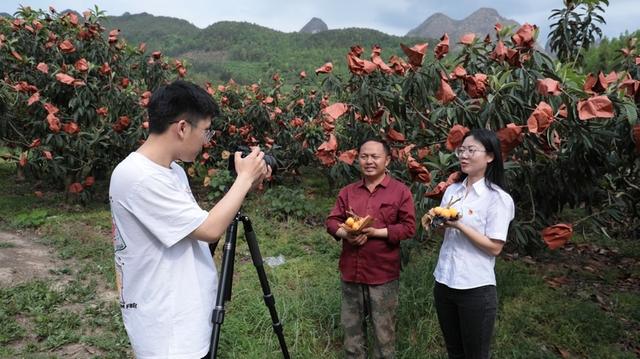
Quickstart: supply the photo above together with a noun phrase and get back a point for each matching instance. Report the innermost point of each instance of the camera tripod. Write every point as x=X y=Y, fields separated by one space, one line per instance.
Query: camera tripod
x=226 y=276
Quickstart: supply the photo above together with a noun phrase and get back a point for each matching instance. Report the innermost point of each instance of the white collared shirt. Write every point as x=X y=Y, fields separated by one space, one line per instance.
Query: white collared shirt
x=462 y=265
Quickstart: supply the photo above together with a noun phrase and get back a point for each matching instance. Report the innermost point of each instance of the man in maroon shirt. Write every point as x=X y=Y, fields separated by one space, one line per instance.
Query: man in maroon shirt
x=370 y=261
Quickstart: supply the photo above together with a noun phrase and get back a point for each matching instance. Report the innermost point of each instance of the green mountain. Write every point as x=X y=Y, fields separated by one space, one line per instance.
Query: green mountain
x=167 y=34
x=247 y=52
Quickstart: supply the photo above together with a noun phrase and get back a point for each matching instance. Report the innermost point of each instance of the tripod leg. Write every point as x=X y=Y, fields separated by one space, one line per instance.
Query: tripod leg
x=269 y=300
x=224 y=285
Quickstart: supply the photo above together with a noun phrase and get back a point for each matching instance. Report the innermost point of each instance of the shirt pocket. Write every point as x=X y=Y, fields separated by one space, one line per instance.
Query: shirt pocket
x=388 y=213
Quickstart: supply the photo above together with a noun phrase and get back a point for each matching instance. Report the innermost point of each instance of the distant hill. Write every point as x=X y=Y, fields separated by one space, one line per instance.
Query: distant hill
x=314 y=25
x=481 y=23
x=248 y=52
x=170 y=35
x=4 y=14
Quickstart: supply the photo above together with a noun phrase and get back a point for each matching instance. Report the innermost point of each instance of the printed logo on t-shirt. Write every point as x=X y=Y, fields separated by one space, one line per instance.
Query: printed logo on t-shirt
x=119 y=281
x=120 y=286
x=118 y=242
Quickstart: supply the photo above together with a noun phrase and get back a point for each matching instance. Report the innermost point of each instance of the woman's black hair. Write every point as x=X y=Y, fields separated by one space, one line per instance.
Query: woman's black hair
x=495 y=169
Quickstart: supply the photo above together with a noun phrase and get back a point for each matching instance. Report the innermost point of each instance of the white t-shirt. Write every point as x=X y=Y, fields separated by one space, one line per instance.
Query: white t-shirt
x=462 y=265
x=167 y=281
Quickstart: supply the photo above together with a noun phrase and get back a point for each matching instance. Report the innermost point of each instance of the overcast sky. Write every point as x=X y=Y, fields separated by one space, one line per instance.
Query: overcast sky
x=395 y=17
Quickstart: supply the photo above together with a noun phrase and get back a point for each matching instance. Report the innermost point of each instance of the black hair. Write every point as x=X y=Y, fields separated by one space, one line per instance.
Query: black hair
x=179 y=98
x=495 y=169
x=384 y=143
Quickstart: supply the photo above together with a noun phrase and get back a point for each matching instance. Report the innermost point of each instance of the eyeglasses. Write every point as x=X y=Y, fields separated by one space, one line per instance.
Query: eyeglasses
x=460 y=151
x=207 y=135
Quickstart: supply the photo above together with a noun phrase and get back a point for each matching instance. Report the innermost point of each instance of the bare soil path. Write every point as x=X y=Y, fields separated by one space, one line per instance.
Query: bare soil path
x=24 y=258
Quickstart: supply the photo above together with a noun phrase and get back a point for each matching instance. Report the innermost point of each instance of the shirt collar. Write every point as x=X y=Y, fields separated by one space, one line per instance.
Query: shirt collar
x=384 y=183
x=480 y=187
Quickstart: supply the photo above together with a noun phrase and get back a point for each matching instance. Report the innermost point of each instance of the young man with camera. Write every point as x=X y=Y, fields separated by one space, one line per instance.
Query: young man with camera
x=166 y=277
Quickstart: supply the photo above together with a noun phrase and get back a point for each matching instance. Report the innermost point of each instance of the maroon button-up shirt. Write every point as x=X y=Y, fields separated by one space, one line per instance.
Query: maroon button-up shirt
x=391 y=206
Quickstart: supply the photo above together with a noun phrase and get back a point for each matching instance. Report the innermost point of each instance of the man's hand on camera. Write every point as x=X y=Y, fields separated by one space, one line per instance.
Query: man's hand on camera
x=252 y=168
x=250 y=171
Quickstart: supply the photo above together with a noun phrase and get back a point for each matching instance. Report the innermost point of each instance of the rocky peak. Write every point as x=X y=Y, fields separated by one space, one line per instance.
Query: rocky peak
x=480 y=22
x=437 y=19
x=484 y=12
x=314 y=26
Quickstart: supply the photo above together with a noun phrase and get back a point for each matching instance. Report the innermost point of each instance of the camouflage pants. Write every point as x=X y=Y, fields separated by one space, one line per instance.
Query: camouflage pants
x=379 y=303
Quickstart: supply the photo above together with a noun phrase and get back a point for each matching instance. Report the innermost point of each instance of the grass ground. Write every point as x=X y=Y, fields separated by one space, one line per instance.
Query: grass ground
x=579 y=302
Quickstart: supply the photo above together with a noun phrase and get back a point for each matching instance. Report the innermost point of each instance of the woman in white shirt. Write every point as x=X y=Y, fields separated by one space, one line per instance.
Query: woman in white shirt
x=465 y=284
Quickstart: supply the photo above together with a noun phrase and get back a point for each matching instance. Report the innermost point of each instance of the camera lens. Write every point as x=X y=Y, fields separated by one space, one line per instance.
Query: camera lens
x=269 y=159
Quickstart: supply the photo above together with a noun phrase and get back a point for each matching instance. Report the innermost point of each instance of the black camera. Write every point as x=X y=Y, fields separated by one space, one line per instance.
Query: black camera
x=269 y=159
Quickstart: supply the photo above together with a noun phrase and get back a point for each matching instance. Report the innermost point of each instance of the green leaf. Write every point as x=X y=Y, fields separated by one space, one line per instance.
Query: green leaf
x=632 y=112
